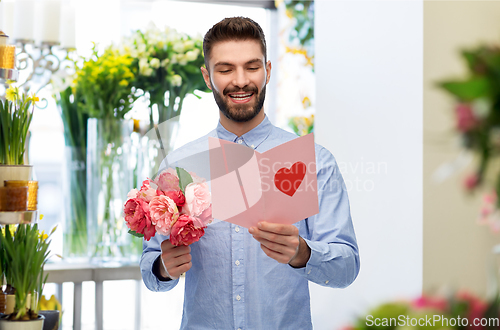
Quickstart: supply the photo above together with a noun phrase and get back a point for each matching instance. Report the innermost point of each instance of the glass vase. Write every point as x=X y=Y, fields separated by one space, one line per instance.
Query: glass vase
x=75 y=246
x=110 y=176
x=156 y=144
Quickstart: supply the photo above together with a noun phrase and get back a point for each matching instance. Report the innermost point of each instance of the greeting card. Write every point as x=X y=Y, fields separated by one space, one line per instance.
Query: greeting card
x=278 y=185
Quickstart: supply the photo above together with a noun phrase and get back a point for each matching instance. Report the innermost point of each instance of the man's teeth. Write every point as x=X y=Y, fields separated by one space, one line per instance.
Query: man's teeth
x=241 y=96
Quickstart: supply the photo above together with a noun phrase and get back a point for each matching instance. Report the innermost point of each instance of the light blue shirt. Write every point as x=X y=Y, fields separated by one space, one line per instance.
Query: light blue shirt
x=232 y=283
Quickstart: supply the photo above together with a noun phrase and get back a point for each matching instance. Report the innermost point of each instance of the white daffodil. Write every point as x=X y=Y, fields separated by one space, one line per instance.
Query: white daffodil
x=154 y=63
x=179 y=47
x=175 y=80
x=192 y=55
x=188 y=44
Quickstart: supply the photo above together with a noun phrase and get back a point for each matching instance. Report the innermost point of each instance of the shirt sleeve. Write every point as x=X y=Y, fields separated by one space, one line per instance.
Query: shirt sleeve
x=334 y=260
x=150 y=252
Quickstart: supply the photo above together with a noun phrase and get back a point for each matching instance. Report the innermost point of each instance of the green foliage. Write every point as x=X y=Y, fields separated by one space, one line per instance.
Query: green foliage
x=75 y=136
x=478 y=108
x=301 y=125
x=23 y=256
x=15 y=120
x=184 y=178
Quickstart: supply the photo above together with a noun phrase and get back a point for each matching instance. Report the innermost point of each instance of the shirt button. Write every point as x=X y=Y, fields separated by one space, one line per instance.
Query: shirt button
x=237 y=229
x=326 y=282
x=239 y=329
x=238 y=297
x=240 y=141
x=309 y=272
x=237 y=262
x=253 y=146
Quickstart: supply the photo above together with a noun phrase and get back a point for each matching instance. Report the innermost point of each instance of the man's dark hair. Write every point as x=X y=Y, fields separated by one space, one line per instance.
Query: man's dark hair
x=231 y=29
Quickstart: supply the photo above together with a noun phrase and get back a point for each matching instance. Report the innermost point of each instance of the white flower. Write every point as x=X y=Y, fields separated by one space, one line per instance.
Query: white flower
x=141 y=48
x=146 y=71
x=188 y=44
x=165 y=62
x=155 y=63
x=192 y=55
x=144 y=68
x=143 y=62
x=175 y=80
x=179 y=47
x=182 y=59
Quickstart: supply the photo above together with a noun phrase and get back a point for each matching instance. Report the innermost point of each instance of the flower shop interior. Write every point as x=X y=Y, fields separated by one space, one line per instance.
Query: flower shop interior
x=402 y=93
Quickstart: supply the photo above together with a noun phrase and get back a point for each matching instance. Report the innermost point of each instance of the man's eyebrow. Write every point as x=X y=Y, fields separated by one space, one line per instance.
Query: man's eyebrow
x=255 y=60
x=223 y=64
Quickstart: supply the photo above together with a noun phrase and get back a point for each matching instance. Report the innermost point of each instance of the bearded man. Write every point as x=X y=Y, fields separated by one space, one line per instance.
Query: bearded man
x=256 y=278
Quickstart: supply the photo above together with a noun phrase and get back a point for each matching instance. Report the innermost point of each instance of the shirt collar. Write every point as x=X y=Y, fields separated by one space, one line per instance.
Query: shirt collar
x=252 y=138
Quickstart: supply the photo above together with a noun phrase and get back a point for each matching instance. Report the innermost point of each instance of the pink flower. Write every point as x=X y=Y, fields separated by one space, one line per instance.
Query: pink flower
x=163 y=211
x=132 y=193
x=198 y=198
x=205 y=217
x=184 y=231
x=137 y=217
x=471 y=182
x=465 y=117
x=476 y=307
x=437 y=303
x=147 y=192
x=168 y=180
x=176 y=196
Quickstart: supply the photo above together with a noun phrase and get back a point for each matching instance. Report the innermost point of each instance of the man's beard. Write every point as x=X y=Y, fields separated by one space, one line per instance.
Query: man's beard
x=240 y=112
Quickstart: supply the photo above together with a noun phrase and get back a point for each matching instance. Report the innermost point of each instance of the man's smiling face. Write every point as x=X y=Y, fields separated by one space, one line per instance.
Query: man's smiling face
x=238 y=78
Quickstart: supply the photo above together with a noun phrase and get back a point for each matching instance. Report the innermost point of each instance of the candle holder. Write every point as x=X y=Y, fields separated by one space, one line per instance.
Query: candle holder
x=37 y=63
x=9 y=74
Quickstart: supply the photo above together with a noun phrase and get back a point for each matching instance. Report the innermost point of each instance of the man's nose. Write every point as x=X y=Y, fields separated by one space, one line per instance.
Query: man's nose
x=240 y=78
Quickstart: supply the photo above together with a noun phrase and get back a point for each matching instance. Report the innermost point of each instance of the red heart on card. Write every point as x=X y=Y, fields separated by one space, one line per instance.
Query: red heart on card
x=288 y=180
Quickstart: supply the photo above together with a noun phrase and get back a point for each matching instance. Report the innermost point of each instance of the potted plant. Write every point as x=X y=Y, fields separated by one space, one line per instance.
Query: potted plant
x=16 y=112
x=23 y=255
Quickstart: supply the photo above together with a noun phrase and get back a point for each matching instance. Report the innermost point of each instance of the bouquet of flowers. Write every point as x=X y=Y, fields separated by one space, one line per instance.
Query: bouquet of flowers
x=104 y=83
x=168 y=68
x=176 y=203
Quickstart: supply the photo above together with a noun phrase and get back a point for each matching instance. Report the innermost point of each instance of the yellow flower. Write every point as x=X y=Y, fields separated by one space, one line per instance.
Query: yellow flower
x=123 y=83
x=12 y=230
x=42 y=235
x=306 y=102
x=33 y=98
x=12 y=93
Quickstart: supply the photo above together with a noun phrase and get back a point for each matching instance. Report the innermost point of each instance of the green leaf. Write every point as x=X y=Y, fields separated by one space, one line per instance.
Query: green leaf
x=184 y=178
x=136 y=234
x=467 y=90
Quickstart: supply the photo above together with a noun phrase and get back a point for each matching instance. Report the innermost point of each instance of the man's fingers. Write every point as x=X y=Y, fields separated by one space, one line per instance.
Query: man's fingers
x=281 y=258
x=176 y=259
x=278 y=228
x=287 y=250
x=277 y=238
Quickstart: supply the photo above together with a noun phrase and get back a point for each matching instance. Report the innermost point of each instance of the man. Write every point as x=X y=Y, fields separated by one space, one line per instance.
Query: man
x=256 y=278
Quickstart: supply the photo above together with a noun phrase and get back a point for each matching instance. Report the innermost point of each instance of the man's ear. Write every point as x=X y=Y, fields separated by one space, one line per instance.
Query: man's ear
x=268 y=71
x=206 y=77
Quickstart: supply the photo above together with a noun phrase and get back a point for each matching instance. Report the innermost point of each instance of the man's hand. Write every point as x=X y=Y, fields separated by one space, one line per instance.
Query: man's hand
x=282 y=243
x=175 y=260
